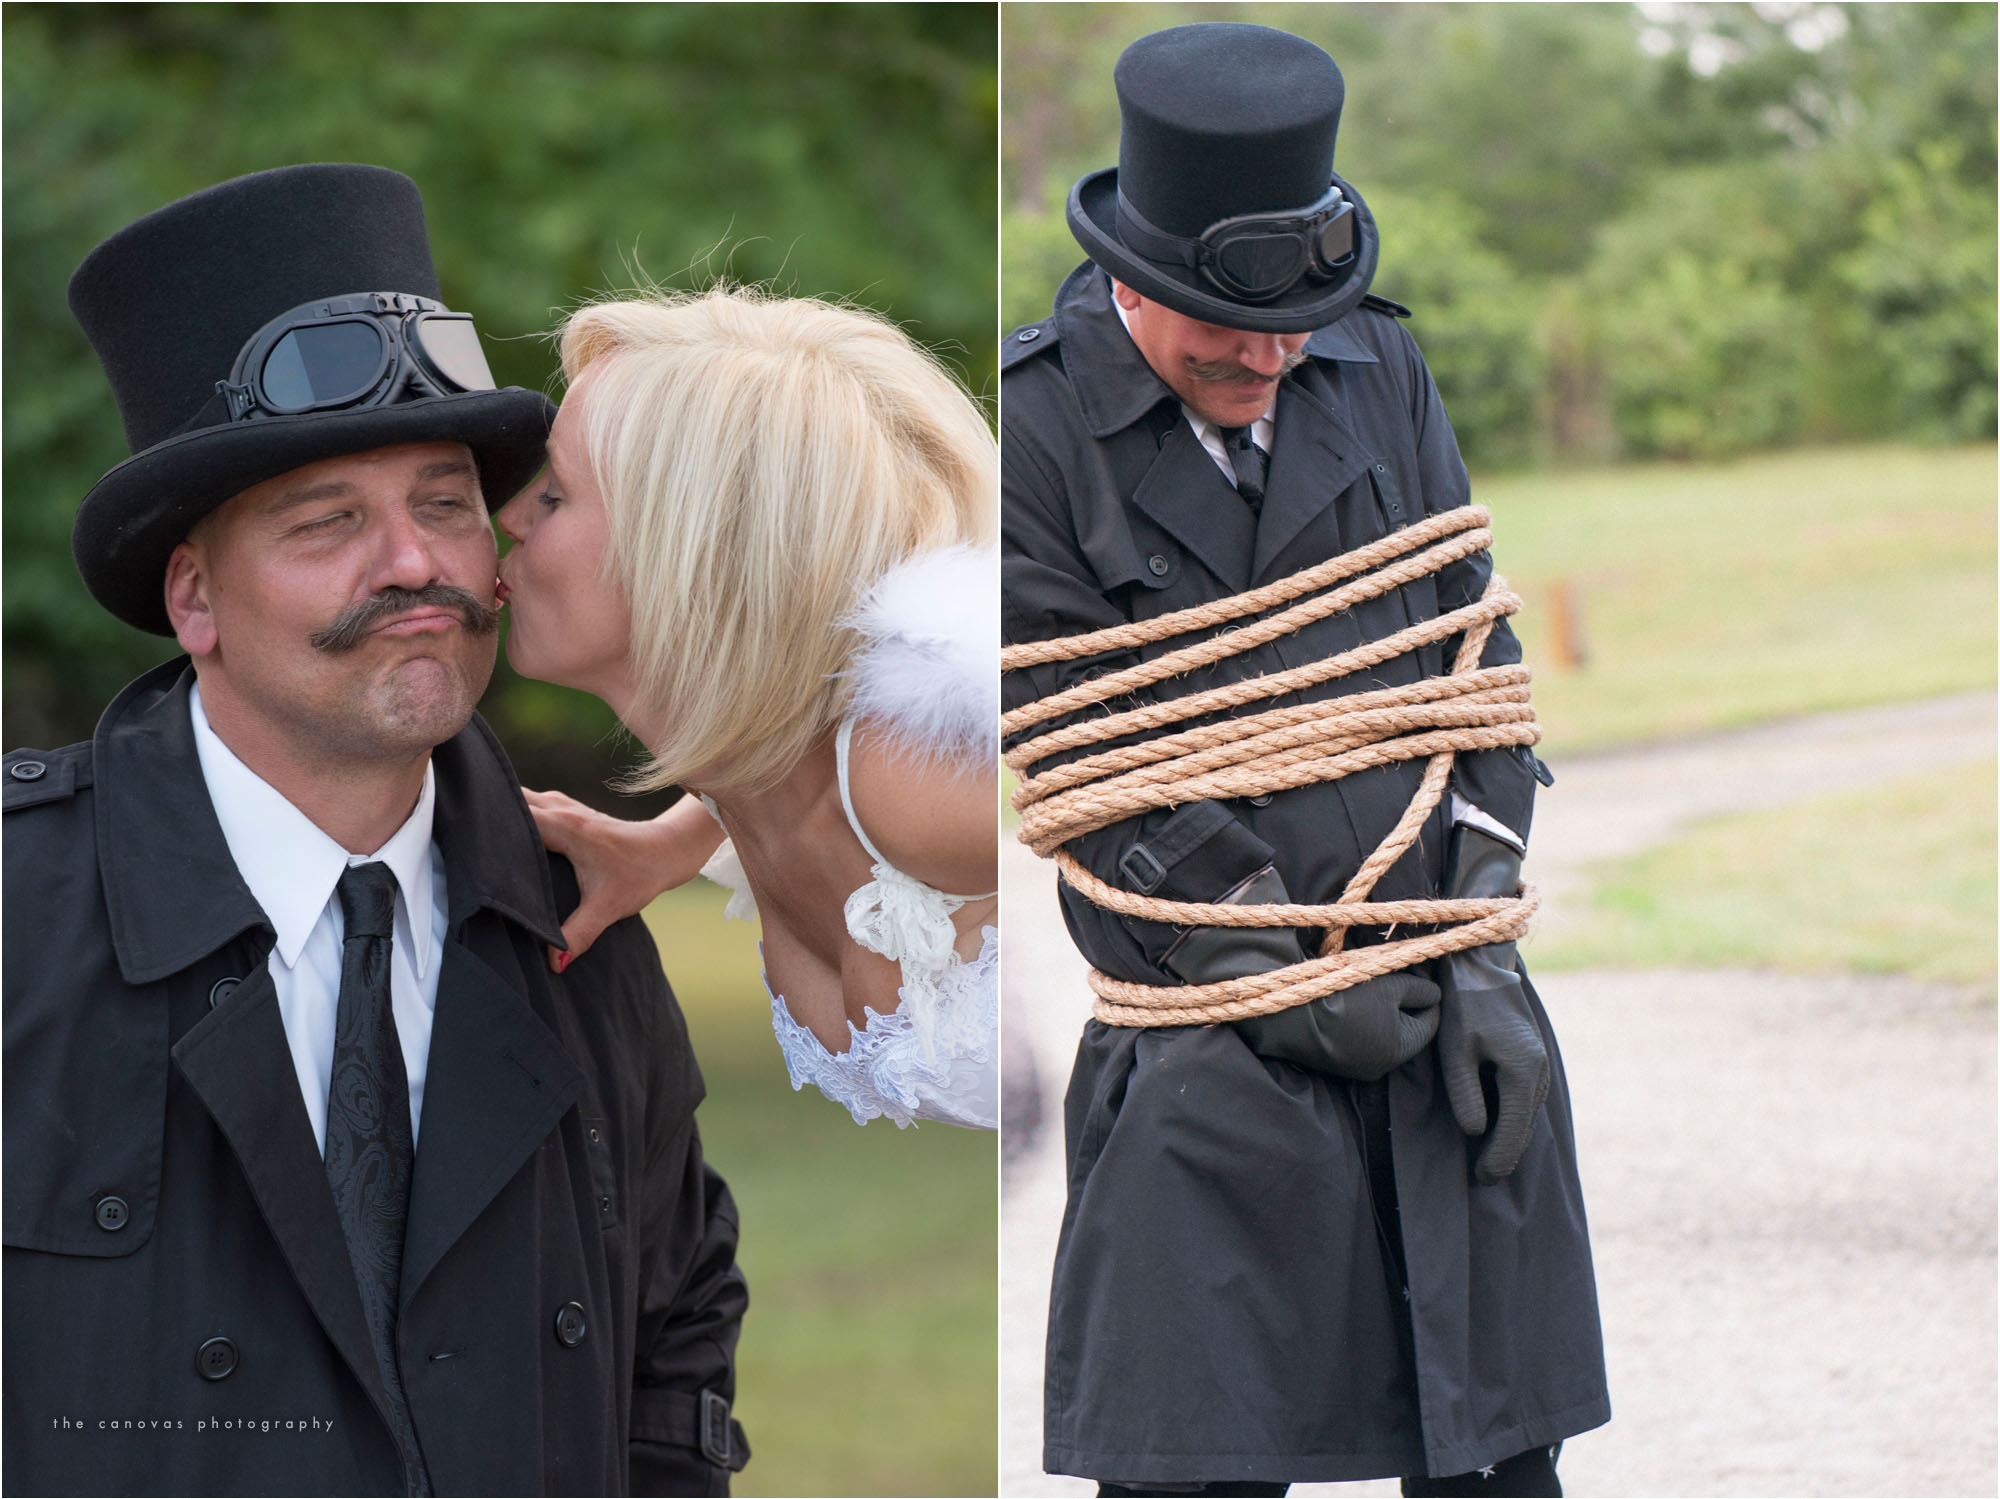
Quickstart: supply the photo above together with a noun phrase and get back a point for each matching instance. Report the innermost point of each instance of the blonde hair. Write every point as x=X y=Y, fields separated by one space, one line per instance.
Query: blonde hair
x=763 y=460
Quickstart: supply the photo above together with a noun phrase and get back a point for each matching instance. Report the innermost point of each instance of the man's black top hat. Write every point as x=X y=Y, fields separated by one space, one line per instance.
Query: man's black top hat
x=169 y=304
x=1220 y=120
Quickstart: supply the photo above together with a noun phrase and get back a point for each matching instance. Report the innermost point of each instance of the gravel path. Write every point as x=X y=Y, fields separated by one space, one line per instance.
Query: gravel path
x=1791 y=1180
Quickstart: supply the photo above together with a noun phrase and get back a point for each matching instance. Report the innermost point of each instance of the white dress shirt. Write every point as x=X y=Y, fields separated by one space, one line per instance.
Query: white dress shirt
x=292 y=869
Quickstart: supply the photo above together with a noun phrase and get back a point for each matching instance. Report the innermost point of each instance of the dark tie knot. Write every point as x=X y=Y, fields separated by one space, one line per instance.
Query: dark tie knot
x=368 y=900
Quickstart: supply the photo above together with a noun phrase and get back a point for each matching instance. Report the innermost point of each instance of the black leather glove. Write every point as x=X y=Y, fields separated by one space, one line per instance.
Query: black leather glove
x=1204 y=854
x=1487 y=1036
x=1361 y=1033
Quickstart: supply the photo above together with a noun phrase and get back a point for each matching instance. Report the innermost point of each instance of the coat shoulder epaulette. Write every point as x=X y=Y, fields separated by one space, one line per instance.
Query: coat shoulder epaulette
x=1383 y=304
x=32 y=777
x=1026 y=342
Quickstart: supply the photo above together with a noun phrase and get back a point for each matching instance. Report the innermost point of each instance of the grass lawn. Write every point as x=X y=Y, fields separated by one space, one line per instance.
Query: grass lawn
x=868 y=1361
x=1720 y=595
x=1892 y=879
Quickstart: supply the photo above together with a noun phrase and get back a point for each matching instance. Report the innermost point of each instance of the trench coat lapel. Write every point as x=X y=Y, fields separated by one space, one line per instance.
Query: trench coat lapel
x=239 y=1064
x=1317 y=457
x=1185 y=493
x=498 y=1079
x=498 y=1082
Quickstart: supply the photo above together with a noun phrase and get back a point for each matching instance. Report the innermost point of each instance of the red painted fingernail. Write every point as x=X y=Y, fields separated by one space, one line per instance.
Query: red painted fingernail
x=562 y=961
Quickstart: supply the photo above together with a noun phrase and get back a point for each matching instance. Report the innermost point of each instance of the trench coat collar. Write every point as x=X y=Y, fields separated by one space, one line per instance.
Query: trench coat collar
x=1113 y=383
x=173 y=893
x=1316 y=453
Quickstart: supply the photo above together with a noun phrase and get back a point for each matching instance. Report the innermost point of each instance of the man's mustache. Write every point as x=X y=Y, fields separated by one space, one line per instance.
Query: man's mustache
x=357 y=620
x=1229 y=372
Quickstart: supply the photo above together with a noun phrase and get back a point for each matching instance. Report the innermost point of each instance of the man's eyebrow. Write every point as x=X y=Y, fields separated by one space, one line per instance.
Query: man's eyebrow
x=446 y=468
x=305 y=494
x=334 y=489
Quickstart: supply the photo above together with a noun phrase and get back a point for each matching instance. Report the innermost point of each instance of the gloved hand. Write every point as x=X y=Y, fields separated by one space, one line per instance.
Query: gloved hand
x=1361 y=1033
x=1486 y=1020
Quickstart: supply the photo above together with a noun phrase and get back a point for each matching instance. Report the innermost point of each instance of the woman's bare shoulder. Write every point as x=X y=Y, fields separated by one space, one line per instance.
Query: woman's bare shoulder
x=934 y=817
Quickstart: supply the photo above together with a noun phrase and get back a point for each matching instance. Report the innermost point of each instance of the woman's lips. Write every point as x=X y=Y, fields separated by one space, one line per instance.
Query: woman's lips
x=500 y=589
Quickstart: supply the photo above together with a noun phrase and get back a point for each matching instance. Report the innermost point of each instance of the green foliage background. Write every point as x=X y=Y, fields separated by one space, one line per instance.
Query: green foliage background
x=830 y=150
x=1680 y=231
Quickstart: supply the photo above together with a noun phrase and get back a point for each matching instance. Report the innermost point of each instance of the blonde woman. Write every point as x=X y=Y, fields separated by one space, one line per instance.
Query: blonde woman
x=762 y=539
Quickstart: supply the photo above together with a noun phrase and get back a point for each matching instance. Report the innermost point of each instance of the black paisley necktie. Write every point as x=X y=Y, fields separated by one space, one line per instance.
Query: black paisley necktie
x=1251 y=463
x=369 y=1152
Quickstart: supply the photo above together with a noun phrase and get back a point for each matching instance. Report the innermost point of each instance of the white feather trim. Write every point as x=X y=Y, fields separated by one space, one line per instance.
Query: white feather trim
x=929 y=667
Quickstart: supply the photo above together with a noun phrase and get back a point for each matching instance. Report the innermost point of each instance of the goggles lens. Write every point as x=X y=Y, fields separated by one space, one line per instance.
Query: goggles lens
x=1336 y=239
x=450 y=344
x=1267 y=263
x=323 y=365
x=1261 y=256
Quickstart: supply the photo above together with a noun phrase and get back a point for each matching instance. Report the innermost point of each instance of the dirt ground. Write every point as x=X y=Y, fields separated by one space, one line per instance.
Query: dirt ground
x=1791 y=1181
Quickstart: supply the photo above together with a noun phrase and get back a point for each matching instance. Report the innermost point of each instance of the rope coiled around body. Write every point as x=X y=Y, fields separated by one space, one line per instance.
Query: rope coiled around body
x=1470 y=708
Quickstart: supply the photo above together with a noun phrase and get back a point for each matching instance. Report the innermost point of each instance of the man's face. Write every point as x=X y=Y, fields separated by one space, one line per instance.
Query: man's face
x=1224 y=374
x=343 y=611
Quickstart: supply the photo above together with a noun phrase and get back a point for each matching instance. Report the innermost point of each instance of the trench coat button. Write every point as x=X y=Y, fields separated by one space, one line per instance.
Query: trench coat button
x=1157 y=565
x=1261 y=801
x=112 y=1214
x=29 y=770
x=222 y=989
x=1028 y=335
x=1381 y=468
x=215 y=1359
x=570 y=1326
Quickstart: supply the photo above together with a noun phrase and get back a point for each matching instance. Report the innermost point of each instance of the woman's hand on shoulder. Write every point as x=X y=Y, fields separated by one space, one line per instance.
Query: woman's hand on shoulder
x=935 y=819
x=620 y=865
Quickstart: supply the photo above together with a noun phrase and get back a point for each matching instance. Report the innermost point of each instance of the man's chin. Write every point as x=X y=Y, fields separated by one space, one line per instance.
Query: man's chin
x=423 y=702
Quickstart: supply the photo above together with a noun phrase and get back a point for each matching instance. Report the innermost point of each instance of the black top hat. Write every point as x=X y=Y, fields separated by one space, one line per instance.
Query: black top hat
x=169 y=302
x=1220 y=120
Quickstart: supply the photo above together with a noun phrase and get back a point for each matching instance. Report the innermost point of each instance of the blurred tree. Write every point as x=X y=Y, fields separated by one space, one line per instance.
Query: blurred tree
x=1477 y=333
x=563 y=150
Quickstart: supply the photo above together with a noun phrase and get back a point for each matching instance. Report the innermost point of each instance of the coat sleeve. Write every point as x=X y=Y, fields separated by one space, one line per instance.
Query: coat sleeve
x=1500 y=782
x=691 y=1294
x=1048 y=590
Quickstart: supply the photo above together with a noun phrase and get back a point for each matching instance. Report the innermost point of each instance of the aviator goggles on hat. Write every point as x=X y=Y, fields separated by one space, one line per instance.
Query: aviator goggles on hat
x=1254 y=257
x=343 y=353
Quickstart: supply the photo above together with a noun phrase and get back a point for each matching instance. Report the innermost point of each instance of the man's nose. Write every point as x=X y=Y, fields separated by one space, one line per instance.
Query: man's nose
x=404 y=556
x=1262 y=354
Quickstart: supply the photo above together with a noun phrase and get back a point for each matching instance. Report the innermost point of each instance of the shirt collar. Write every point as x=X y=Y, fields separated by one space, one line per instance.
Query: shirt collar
x=291 y=866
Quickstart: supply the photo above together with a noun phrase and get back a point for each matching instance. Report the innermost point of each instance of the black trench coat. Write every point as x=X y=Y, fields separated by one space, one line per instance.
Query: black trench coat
x=163 y=1188
x=1222 y=1305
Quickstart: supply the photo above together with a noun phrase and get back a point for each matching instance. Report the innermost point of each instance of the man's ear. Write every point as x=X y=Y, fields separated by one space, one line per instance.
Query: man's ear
x=1124 y=296
x=187 y=598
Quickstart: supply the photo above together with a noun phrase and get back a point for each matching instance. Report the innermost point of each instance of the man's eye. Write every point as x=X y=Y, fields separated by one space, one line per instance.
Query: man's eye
x=320 y=524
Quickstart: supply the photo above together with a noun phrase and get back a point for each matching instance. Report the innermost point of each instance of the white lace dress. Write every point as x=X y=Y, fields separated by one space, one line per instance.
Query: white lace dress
x=936 y=1056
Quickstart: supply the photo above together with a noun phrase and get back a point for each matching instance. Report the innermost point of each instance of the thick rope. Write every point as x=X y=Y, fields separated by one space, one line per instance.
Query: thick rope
x=1277 y=749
